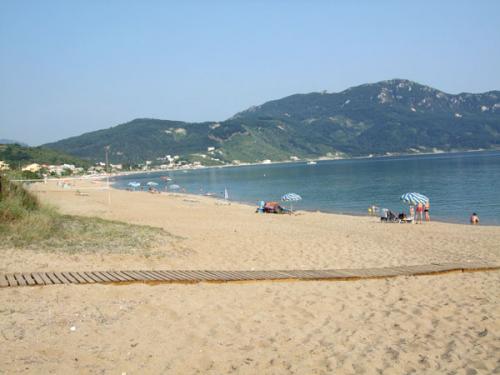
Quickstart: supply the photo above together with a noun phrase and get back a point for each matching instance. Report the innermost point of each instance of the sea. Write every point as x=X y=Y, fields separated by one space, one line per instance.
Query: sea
x=457 y=184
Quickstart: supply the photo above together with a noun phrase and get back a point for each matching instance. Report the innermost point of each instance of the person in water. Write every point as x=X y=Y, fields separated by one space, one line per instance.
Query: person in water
x=474 y=219
x=427 y=207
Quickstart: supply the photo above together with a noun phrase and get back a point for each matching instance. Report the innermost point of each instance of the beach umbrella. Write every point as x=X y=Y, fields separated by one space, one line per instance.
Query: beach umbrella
x=174 y=187
x=152 y=183
x=414 y=199
x=291 y=197
x=134 y=184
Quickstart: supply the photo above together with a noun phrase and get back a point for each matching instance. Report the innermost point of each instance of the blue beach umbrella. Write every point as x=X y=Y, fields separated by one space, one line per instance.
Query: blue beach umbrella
x=152 y=183
x=414 y=199
x=134 y=184
x=174 y=187
x=291 y=197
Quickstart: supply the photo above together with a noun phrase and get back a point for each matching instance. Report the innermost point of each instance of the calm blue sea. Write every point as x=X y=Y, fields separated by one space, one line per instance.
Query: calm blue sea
x=457 y=184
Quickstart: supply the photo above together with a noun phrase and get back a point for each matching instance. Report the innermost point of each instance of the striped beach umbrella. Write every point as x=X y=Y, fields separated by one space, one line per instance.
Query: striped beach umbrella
x=414 y=199
x=134 y=184
x=291 y=197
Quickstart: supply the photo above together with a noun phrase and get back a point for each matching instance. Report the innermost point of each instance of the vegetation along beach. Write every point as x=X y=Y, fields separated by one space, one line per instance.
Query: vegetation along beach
x=249 y=187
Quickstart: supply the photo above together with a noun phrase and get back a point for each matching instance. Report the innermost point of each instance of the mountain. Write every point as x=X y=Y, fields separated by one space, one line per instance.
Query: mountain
x=395 y=116
x=4 y=141
x=17 y=155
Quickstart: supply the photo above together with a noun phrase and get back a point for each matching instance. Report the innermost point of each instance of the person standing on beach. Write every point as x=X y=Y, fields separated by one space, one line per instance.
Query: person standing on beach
x=426 y=210
x=420 y=212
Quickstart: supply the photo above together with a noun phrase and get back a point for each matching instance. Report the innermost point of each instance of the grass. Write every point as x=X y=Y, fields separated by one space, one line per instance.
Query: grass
x=25 y=223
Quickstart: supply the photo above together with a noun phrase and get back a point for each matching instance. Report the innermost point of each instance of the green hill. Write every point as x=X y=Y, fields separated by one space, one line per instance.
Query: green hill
x=17 y=155
x=395 y=116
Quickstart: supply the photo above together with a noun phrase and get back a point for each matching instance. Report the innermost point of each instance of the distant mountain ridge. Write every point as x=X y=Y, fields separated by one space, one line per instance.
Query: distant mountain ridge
x=4 y=141
x=394 y=116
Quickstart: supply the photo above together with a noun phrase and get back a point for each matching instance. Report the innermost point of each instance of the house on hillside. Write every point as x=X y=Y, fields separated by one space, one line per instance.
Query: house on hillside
x=4 y=166
x=32 y=168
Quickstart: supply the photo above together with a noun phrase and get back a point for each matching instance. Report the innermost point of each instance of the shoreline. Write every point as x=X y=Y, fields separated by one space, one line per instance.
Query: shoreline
x=306 y=160
x=253 y=207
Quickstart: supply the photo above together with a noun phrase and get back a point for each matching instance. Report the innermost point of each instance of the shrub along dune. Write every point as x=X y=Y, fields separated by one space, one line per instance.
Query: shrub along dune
x=28 y=224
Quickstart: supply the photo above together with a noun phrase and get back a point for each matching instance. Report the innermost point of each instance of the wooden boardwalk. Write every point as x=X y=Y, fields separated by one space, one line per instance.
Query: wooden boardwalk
x=191 y=276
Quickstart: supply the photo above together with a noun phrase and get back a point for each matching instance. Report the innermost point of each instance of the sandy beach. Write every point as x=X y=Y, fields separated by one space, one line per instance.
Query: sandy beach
x=430 y=324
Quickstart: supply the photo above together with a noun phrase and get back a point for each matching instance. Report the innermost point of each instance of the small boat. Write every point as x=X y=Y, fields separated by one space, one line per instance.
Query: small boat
x=311 y=162
x=166 y=178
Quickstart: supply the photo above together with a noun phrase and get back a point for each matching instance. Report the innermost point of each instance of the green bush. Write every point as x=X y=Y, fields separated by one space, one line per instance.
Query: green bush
x=15 y=201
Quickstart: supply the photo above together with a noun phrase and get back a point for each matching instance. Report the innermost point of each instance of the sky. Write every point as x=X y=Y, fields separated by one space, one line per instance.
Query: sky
x=70 y=67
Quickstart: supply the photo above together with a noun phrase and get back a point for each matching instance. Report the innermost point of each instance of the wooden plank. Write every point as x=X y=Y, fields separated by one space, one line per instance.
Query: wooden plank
x=132 y=276
x=37 y=278
x=69 y=277
x=206 y=275
x=145 y=276
x=77 y=277
x=87 y=277
x=218 y=275
x=11 y=279
x=243 y=275
x=46 y=279
x=286 y=274
x=120 y=277
x=266 y=275
x=138 y=276
x=91 y=276
x=231 y=275
x=113 y=278
x=101 y=276
x=84 y=276
x=20 y=279
x=3 y=281
x=154 y=276
x=63 y=279
x=170 y=275
x=124 y=276
x=269 y=275
x=110 y=276
x=160 y=276
x=225 y=275
x=183 y=276
x=29 y=279
x=337 y=274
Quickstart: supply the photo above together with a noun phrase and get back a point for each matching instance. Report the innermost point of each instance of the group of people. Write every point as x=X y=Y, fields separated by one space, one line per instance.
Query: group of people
x=422 y=210
x=417 y=214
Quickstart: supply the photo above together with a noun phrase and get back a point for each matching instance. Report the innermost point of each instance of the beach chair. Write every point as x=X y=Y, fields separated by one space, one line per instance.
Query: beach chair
x=388 y=216
x=260 y=208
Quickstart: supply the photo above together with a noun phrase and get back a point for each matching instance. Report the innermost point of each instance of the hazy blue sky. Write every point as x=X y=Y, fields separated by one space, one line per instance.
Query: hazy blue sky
x=68 y=67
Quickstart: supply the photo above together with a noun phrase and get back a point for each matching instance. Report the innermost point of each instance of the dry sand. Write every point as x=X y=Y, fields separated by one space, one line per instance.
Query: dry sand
x=210 y=235
x=430 y=324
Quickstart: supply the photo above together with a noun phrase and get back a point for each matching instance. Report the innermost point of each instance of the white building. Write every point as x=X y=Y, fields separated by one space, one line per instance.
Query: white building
x=32 y=168
x=4 y=166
